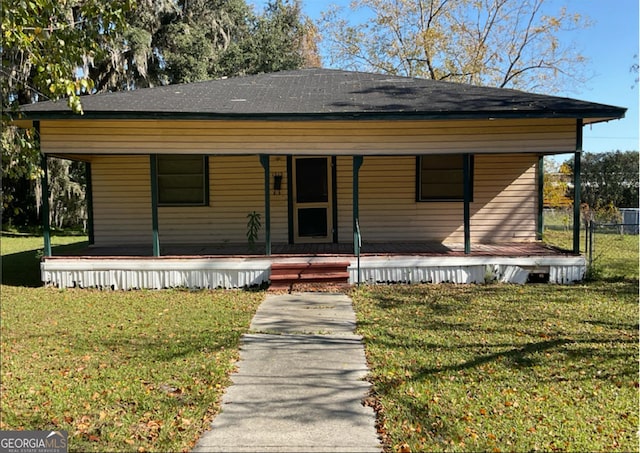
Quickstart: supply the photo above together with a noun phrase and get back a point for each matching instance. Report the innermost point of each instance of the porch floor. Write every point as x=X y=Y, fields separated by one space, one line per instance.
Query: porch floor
x=281 y=250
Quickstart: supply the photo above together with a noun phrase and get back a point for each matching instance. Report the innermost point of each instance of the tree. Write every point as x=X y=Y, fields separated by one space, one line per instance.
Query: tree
x=181 y=41
x=556 y=186
x=44 y=45
x=55 y=49
x=609 y=179
x=502 y=43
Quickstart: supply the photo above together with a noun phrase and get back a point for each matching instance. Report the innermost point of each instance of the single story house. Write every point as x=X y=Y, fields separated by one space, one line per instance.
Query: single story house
x=404 y=179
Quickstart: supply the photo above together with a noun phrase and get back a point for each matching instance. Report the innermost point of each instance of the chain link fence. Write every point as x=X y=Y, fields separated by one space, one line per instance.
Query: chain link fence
x=611 y=247
x=612 y=250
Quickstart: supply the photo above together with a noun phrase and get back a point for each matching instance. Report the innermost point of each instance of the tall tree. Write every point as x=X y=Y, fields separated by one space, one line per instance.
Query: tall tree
x=502 y=43
x=53 y=49
x=44 y=45
x=181 y=41
x=609 y=179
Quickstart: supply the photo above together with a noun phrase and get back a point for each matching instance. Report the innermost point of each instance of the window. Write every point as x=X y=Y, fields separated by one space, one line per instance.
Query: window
x=183 y=180
x=440 y=177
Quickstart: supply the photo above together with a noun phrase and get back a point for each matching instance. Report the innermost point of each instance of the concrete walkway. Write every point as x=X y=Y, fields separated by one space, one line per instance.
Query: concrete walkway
x=300 y=382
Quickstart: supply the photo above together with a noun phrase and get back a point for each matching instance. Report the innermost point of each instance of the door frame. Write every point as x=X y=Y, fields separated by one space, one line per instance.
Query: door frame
x=332 y=208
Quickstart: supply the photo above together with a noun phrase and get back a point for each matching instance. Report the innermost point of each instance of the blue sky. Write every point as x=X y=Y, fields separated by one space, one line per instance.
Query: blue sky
x=610 y=44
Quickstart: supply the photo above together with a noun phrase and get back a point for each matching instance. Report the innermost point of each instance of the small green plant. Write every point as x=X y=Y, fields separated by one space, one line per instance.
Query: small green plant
x=253 y=228
x=594 y=272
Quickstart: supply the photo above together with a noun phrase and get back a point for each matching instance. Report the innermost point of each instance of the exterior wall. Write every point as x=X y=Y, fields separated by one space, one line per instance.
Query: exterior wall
x=504 y=206
x=307 y=137
x=122 y=203
x=236 y=188
x=121 y=200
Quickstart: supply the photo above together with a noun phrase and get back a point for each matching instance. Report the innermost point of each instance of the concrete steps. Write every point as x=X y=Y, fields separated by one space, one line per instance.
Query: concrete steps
x=285 y=275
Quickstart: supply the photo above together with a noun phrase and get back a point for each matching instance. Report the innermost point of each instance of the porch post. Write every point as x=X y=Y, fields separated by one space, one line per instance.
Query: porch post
x=540 y=225
x=466 y=175
x=46 y=231
x=357 y=163
x=576 y=188
x=264 y=160
x=154 y=204
x=89 y=202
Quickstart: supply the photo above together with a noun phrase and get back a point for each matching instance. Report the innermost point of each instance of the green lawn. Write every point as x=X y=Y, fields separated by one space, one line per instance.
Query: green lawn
x=454 y=368
x=615 y=256
x=120 y=371
x=503 y=368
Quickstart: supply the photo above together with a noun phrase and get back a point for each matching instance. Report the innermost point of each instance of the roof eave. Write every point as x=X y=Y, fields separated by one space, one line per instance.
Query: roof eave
x=588 y=116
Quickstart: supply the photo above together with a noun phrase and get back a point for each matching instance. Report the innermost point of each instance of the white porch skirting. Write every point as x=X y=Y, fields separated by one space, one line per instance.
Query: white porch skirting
x=229 y=273
x=162 y=273
x=419 y=269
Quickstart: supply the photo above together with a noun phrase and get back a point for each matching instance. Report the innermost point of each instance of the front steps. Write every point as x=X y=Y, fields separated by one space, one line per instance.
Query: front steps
x=285 y=276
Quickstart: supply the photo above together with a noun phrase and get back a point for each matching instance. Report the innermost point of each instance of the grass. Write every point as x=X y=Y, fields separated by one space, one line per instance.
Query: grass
x=615 y=256
x=120 y=371
x=509 y=368
x=454 y=368
x=503 y=368
x=21 y=256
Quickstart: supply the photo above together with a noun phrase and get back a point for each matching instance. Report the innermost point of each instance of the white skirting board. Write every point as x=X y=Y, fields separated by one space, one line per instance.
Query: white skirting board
x=126 y=274
x=230 y=273
x=561 y=270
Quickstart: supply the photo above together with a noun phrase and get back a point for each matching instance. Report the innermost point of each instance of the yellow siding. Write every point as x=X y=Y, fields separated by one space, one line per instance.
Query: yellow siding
x=121 y=200
x=503 y=209
x=307 y=138
x=504 y=206
x=122 y=203
x=236 y=187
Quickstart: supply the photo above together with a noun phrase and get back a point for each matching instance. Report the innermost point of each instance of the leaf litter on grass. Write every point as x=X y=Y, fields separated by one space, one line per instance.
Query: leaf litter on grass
x=117 y=370
x=503 y=368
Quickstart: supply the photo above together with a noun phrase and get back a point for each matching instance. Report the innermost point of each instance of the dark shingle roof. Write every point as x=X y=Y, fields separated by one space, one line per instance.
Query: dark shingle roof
x=328 y=94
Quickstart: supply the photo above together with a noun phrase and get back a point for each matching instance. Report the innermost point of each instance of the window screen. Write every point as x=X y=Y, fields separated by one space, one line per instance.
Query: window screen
x=182 y=180
x=441 y=177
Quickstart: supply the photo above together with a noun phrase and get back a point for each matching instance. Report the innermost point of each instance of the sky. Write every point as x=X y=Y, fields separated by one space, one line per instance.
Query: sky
x=611 y=47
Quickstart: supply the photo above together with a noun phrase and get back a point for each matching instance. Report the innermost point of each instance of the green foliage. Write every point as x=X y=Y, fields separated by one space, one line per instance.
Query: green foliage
x=556 y=186
x=253 y=227
x=503 y=368
x=44 y=42
x=54 y=49
x=187 y=41
x=609 y=178
x=47 y=46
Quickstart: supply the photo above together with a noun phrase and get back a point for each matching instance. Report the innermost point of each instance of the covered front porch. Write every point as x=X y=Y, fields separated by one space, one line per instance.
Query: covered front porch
x=238 y=266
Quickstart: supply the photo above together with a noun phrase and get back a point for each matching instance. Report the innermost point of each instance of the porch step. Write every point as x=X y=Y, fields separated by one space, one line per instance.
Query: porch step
x=285 y=275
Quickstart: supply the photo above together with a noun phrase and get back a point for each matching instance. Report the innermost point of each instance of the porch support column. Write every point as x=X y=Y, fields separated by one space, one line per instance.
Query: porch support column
x=89 y=201
x=46 y=229
x=576 y=187
x=357 y=163
x=540 y=224
x=264 y=160
x=466 y=175
x=154 y=204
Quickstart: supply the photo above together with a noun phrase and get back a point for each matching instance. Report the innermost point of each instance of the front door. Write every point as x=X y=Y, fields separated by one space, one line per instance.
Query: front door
x=312 y=198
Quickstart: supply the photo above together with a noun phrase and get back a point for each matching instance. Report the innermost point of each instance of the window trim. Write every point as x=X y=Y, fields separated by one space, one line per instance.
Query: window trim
x=205 y=186
x=421 y=199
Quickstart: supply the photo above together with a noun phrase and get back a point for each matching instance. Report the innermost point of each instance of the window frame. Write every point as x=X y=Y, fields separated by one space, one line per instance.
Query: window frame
x=205 y=182
x=419 y=177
